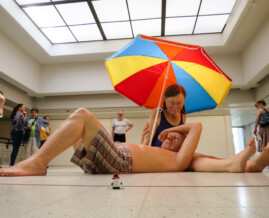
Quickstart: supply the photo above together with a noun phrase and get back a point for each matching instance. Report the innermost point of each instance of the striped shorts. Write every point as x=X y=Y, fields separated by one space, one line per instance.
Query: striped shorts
x=104 y=155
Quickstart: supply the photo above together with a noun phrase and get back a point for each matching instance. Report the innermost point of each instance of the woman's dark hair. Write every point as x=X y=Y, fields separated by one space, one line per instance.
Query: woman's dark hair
x=174 y=90
x=34 y=109
x=1 y=92
x=46 y=117
x=15 y=109
x=260 y=102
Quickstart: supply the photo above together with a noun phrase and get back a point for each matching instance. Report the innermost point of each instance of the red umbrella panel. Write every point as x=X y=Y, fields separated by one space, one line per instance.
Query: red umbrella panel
x=141 y=69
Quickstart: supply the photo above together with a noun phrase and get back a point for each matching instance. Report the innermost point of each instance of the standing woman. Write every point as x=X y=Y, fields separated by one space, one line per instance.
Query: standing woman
x=18 y=117
x=263 y=130
x=173 y=113
x=34 y=123
x=45 y=131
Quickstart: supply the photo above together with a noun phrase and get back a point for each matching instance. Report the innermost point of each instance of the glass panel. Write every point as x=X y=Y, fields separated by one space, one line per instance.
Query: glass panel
x=143 y=9
x=176 y=8
x=86 y=32
x=183 y=25
x=24 y=2
x=108 y=10
x=210 y=24
x=59 y=35
x=76 y=13
x=216 y=6
x=44 y=16
x=117 y=30
x=147 y=27
x=238 y=138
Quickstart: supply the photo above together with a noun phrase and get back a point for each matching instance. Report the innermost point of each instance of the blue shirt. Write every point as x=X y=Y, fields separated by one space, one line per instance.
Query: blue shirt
x=39 y=121
x=164 y=124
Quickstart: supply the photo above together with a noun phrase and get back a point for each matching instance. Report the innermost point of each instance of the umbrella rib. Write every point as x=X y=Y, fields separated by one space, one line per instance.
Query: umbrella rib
x=212 y=62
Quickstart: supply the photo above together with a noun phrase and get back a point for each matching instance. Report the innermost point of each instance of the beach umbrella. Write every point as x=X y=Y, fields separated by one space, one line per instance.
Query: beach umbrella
x=143 y=69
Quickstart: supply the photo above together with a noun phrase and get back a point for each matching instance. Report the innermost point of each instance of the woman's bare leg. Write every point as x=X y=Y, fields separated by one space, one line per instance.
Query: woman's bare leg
x=235 y=164
x=258 y=163
x=80 y=125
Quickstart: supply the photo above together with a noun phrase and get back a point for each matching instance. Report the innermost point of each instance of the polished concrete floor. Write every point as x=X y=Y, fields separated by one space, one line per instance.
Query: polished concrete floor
x=68 y=192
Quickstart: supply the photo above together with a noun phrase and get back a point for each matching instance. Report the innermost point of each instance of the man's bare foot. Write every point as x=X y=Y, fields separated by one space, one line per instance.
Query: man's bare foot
x=25 y=168
x=239 y=161
x=258 y=163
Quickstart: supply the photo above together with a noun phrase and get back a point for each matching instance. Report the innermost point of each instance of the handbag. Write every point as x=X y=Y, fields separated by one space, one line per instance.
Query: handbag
x=43 y=134
x=264 y=118
x=26 y=134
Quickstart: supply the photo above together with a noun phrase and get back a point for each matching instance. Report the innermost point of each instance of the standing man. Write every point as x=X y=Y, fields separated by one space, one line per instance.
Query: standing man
x=119 y=128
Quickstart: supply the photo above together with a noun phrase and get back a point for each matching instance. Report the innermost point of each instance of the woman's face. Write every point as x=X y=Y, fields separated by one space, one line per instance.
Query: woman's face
x=258 y=106
x=22 y=108
x=174 y=104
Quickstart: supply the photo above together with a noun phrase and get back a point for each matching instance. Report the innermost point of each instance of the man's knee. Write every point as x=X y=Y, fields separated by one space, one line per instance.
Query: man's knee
x=85 y=115
x=83 y=112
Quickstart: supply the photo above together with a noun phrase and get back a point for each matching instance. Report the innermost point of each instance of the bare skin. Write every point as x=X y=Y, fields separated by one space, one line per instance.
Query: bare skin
x=2 y=102
x=235 y=164
x=258 y=163
x=239 y=163
x=83 y=126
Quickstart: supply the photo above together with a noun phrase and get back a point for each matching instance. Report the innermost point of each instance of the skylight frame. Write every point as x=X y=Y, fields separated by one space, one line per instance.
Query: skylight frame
x=163 y=15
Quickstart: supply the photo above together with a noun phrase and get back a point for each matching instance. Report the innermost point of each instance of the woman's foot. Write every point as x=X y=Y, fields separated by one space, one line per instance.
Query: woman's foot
x=239 y=161
x=258 y=163
x=28 y=167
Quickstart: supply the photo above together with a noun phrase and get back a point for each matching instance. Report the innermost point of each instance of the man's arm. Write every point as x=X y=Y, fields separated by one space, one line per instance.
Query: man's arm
x=186 y=152
x=130 y=127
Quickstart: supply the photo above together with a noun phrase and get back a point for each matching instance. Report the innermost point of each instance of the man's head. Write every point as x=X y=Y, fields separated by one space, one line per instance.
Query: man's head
x=34 y=112
x=120 y=115
x=173 y=141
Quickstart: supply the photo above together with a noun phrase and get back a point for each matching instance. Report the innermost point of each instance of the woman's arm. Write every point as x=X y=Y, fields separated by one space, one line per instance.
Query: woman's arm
x=257 y=121
x=49 y=132
x=2 y=102
x=146 y=133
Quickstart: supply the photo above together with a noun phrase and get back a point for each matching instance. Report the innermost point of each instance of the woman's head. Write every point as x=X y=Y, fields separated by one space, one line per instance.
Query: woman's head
x=174 y=98
x=260 y=103
x=47 y=118
x=34 y=112
x=18 y=108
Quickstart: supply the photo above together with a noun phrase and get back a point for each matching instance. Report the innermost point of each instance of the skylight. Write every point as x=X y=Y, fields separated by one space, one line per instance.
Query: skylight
x=71 y=21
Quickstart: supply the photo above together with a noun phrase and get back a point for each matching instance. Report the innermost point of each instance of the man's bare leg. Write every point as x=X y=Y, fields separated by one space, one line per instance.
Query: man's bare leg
x=80 y=125
x=235 y=164
x=258 y=163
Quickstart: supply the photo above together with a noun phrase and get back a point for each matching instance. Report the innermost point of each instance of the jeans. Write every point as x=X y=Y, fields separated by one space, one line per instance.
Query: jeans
x=16 y=139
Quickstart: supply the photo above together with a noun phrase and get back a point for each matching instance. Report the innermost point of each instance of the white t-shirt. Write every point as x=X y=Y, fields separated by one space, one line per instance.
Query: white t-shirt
x=120 y=125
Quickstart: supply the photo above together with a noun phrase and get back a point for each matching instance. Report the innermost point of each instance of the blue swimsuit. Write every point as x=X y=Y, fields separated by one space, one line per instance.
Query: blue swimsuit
x=163 y=125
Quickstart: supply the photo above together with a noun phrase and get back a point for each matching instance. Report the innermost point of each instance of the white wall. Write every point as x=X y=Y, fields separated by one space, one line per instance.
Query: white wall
x=263 y=90
x=79 y=78
x=17 y=67
x=255 y=57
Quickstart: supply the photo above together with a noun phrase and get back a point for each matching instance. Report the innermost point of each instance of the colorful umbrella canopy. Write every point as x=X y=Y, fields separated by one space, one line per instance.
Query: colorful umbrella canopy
x=145 y=66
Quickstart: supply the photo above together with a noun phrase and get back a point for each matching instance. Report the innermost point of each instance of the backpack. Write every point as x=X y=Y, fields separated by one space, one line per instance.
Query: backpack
x=264 y=118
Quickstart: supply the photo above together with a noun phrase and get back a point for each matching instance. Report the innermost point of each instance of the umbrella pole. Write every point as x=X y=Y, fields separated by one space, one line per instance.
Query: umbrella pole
x=157 y=112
